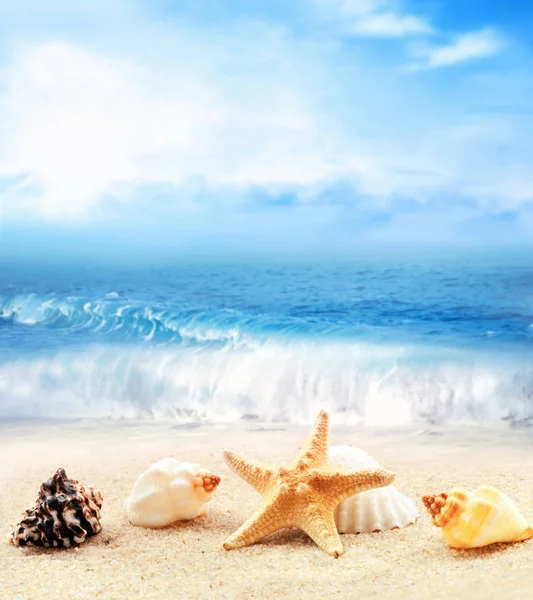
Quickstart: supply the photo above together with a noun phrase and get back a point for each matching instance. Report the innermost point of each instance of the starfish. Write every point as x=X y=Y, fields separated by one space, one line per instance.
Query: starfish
x=303 y=494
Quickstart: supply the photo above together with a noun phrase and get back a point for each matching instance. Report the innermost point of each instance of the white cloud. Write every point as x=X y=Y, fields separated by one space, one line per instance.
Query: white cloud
x=229 y=109
x=374 y=18
x=353 y=7
x=80 y=125
x=465 y=47
x=78 y=122
x=390 y=25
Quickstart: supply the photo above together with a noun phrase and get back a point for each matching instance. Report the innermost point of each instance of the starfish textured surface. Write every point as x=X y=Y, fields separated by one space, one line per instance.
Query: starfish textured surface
x=303 y=494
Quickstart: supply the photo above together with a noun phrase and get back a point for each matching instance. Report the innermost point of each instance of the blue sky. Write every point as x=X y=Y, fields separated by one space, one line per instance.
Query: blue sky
x=165 y=126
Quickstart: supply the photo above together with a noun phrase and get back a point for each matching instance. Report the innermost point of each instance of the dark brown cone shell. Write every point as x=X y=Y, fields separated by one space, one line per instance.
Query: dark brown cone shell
x=65 y=514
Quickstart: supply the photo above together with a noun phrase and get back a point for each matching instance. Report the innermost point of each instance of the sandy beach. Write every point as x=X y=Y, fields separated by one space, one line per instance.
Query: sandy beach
x=187 y=560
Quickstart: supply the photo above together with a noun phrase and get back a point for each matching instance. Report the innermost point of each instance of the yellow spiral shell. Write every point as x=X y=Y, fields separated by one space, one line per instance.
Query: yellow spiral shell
x=479 y=518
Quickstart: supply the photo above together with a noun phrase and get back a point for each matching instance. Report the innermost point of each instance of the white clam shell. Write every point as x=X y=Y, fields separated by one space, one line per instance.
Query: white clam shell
x=165 y=493
x=375 y=510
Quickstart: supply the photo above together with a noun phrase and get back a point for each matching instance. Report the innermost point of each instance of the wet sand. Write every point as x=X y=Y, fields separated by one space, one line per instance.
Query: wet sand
x=187 y=560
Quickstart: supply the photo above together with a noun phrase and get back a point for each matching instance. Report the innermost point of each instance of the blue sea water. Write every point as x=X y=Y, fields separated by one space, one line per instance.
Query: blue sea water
x=382 y=341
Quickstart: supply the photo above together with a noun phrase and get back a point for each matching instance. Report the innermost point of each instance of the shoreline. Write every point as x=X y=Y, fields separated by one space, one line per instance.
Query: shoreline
x=186 y=560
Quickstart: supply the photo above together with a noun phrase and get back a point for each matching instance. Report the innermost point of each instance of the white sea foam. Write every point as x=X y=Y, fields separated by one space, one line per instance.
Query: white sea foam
x=358 y=383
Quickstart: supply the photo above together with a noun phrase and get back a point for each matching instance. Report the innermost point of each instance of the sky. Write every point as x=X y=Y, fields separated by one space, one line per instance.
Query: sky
x=208 y=126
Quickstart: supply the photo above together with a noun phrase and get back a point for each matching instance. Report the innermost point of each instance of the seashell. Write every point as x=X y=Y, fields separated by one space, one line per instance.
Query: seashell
x=170 y=491
x=65 y=513
x=378 y=509
x=480 y=518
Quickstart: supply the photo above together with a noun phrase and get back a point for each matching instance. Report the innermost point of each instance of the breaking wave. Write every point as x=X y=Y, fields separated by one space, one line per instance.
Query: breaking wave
x=279 y=354
x=357 y=382
x=116 y=319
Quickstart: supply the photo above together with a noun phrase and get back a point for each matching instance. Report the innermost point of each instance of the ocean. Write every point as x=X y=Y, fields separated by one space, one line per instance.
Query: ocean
x=390 y=340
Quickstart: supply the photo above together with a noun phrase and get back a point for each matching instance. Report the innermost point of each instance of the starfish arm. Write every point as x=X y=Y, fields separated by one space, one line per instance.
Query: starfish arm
x=339 y=486
x=315 y=450
x=257 y=527
x=258 y=476
x=323 y=531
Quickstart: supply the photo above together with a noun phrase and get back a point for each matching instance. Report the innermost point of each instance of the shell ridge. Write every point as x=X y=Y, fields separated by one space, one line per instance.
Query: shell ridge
x=373 y=510
x=65 y=513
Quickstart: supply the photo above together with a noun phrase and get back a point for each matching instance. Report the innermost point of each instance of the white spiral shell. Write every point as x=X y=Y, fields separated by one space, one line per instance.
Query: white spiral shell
x=375 y=510
x=169 y=491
